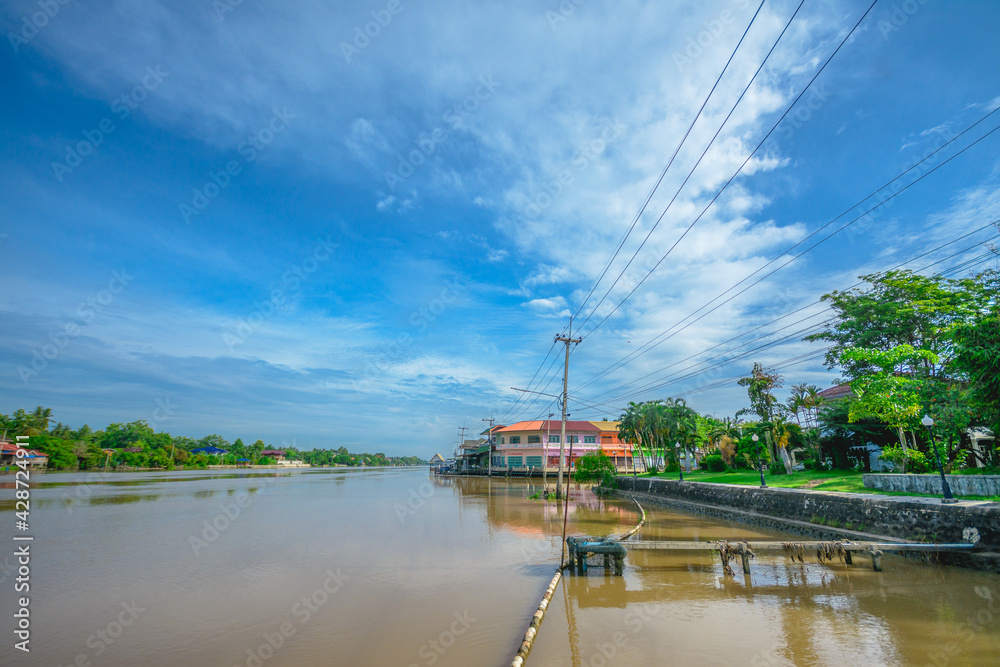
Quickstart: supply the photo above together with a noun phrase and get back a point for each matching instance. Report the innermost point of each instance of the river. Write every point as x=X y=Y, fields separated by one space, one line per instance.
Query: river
x=387 y=567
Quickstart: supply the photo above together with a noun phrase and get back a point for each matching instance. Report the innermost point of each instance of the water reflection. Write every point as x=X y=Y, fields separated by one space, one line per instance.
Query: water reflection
x=479 y=548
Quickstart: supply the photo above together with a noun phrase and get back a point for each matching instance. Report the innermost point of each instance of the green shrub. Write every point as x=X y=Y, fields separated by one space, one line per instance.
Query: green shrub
x=713 y=463
x=594 y=467
x=916 y=461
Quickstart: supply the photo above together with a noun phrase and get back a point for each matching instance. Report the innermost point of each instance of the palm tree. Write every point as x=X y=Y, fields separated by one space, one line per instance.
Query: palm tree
x=686 y=431
x=813 y=403
x=38 y=421
x=798 y=401
x=724 y=435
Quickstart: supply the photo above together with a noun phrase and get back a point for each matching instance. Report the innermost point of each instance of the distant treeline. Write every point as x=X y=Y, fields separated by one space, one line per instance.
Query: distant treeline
x=136 y=445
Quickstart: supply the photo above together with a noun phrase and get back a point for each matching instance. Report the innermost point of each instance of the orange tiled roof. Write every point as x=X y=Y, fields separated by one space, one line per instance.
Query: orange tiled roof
x=553 y=425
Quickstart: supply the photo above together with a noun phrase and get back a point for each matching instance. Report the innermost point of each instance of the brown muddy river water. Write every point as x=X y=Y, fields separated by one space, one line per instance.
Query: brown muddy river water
x=393 y=568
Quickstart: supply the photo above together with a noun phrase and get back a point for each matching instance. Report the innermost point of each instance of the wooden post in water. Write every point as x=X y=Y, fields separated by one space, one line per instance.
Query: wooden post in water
x=745 y=557
x=876 y=559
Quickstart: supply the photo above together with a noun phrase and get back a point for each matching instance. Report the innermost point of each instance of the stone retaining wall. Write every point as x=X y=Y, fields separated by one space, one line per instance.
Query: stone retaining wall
x=963 y=485
x=814 y=512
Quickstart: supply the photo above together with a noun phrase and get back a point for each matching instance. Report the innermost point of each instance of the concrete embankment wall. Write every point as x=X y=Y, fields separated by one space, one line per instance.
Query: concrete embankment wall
x=964 y=485
x=813 y=513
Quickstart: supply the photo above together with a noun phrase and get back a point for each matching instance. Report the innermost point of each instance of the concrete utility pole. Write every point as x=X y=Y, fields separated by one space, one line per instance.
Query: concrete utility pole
x=461 y=441
x=545 y=455
x=489 y=448
x=567 y=339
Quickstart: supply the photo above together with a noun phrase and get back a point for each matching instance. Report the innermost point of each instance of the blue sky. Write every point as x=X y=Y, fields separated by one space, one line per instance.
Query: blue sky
x=360 y=224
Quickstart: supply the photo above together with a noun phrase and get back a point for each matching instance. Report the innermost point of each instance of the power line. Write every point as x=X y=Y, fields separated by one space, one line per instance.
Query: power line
x=669 y=163
x=521 y=396
x=660 y=338
x=612 y=406
x=740 y=169
x=673 y=379
x=814 y=303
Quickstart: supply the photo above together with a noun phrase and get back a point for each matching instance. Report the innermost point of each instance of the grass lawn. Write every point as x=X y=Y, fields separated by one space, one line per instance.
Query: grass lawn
x=825 y=480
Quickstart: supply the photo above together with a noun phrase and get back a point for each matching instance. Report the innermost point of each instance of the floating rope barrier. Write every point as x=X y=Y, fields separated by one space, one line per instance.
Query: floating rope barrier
x=642 y=520
x=536 y=619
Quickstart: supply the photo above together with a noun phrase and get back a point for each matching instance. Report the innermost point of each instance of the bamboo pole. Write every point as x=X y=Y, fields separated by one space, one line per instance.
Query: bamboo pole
x=536 y=619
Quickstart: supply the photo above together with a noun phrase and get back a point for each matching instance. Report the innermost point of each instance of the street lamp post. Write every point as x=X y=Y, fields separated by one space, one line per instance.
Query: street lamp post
x=760 y=468
x=680 y=468
x=945 y=488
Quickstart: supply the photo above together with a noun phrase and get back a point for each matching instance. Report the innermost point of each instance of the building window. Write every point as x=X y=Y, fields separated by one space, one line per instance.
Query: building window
x=533 y=461
x=589 y=439
x=501 y=439
x=554 y=438
x=573 y=439
x=515 y=440
x=534 y=440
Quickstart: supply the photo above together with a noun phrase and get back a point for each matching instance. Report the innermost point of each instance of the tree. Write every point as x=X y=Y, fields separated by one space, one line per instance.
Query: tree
x=977 y=357
x=238 y=450
x=899 y=308
x=116 y=435
x=805 y=400
x=594 y=466
x=653 y=427
x=889 y=393
x=38 y=421
x=760 y=385
x=685 y=431
x=214 y=440
x=725 y=435
x=255 y=449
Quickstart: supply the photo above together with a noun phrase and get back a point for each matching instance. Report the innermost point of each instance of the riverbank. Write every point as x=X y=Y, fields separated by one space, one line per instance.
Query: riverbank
x=831 y=515
x=847 y=481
